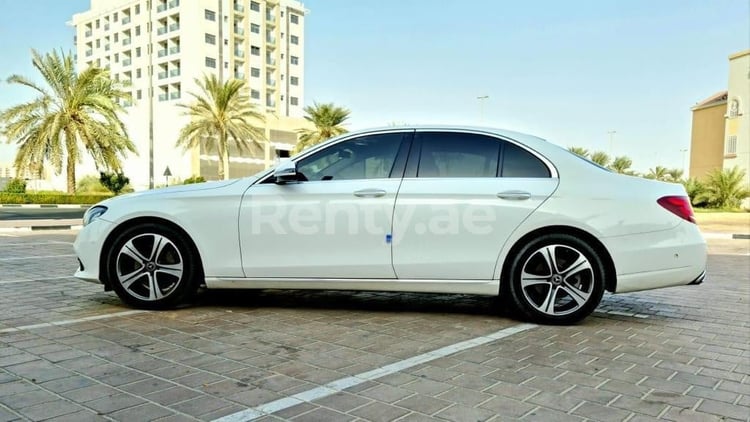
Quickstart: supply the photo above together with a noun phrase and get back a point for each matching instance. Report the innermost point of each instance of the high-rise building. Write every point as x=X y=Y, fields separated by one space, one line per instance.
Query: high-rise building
x=157 y=48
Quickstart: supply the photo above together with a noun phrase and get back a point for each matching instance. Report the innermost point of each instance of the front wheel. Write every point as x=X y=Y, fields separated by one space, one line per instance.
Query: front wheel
x=152 y=267
x=557 y=279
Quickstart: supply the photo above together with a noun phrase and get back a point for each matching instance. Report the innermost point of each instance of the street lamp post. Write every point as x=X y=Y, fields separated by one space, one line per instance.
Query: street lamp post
x=611 y=134
x=685 y=167
x=481 y=107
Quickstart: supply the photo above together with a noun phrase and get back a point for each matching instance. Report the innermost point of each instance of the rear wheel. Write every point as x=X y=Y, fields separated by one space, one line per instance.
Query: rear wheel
x=557 y=279
x=153 y=267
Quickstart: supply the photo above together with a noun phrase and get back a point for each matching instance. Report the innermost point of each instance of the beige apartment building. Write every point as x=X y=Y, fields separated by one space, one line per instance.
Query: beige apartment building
x=721 y=124
x=158 y=48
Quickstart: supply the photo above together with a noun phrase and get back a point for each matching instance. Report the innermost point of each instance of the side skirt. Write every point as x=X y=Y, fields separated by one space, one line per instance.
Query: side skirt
x=477 y=287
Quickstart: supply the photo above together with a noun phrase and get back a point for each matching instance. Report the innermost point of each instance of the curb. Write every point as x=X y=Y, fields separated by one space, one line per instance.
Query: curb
x=44 y=206
x=730 y=236
x=39 y=228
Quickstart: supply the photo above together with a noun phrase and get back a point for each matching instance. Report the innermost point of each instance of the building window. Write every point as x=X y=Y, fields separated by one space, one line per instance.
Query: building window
x=255 y=28
x=211 y=39
x=138 y=52
x=294 y=80
x=731 y=146
x=137 y=9
x=138 y=95
x=734 y=109
x=255 y=6
x=211 y=62
x=294 y=18
x=137 y=30
x=255 y=72
x=255 y=94
x=294 y=39
x=294 y=59
x=117 y=37
x=138 y=73
x=210 y=15
x=117 y=57
x=255 y=51
x=98 y=44
x=294 y=101
x=114 y=17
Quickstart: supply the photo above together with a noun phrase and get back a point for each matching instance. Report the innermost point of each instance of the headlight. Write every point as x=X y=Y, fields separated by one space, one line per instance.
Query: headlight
x=93 y=213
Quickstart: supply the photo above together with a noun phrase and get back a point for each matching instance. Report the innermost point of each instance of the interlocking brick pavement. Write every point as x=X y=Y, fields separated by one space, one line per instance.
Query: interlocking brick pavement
x=671 y=354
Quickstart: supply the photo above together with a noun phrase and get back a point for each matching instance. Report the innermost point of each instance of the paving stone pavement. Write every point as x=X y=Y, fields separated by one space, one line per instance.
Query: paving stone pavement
x=71 y=352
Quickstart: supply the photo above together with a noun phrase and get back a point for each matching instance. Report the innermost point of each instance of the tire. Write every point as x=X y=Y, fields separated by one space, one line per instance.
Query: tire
x=556 y=279
x=151 y=266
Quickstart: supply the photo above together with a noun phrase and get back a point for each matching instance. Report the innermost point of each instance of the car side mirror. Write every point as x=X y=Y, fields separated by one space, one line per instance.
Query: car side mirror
x=285 y=172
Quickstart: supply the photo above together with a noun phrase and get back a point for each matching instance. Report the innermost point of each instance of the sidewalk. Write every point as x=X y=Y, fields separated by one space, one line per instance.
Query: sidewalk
x=38 y=225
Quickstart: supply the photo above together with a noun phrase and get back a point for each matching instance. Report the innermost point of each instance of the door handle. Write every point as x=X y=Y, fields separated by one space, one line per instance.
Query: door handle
x=514 y=195
x=369 y=193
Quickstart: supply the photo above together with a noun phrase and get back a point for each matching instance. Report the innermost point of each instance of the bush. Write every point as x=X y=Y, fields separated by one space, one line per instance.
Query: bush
x=194 y=179
x=725 y=188
x=114 y=182
x=696 y=191
x=91 y=185
x=15 y=186
x=26 y=198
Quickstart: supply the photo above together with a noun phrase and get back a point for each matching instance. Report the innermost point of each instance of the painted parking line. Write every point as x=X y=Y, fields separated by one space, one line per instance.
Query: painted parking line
x=47 y=243
x=71 y=321
x=26 y=280
x=341 y=384
x=22 y=258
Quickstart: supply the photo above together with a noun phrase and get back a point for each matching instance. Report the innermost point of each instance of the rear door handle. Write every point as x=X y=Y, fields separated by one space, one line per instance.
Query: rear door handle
x=369 y=193
x=514 y=195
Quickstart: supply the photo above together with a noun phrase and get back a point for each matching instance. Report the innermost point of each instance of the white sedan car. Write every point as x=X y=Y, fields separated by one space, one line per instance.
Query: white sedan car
x=414 y=209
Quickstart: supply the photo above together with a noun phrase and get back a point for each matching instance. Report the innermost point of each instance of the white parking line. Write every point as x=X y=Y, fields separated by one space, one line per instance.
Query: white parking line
x=22 y=258
x=34 y=279
x=348 y=382
x=7 y=235
x=70 y=321
x=51 y=242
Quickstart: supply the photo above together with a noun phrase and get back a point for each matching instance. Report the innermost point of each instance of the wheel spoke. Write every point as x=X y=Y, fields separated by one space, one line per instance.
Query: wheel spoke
x=548 y=253
x=154 y=292
x=130 y=250
x=176 y=272
x=578 y=295
x=126 y=280
x=533 y=279
x=548 y=306
x=579 y=265
x=158 y=246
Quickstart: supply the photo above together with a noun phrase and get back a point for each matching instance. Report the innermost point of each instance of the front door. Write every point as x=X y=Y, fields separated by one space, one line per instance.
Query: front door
x=335 y=221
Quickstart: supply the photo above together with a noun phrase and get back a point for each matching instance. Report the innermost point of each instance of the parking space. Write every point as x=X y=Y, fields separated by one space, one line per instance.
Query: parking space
x=69 y=351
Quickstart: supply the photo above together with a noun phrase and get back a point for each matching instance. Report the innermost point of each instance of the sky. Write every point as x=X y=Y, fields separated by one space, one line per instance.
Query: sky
x=569 y=71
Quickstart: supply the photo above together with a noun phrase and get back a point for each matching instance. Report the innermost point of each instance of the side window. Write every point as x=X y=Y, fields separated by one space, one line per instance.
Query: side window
x=366 y=157
x=458 y=155
x=517 y=162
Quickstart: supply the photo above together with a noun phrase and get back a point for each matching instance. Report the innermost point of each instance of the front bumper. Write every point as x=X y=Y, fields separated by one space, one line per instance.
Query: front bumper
x=88 y=248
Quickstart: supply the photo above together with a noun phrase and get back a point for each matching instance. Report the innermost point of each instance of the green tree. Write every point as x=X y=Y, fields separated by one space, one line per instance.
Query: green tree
x=328 y=120
x=675 y=175
x=725 y=188
x=695 y=190
x=114 y=182
x=600 y=158
x=70 y=110
x=90 y=184
x=16 y=185
x=658 y=173
x=221 y=113
x=621 y=165
x=583 y=152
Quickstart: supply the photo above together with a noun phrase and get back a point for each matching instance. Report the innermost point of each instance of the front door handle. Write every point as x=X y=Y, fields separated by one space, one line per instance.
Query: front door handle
x=514 y=195
x=369 y=193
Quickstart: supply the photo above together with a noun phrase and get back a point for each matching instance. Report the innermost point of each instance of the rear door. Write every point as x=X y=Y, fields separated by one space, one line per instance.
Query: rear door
x=462 y=196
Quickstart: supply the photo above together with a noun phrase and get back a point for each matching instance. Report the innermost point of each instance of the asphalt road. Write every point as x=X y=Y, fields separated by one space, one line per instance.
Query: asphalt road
x=40 y=213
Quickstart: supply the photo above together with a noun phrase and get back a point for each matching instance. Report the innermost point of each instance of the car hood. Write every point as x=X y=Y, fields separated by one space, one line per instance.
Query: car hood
x=178 y=190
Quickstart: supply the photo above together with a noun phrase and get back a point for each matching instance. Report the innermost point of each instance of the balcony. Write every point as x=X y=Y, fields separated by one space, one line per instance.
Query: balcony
x=271 y=82
x=270 y=18
x=271 y=40
x=163 y=52
x=239 y=8
x=126 y=41
x=163 y=97
x=239 y=75
x=162 y=7
x=127 y=62
x=162 y=75
x=270 y=61
x=174 y=72
x=106 y=27
x=127 y=103
x=126 y=20
x=162 y=30
x=89 y=53
x=239 y=53
x=239 y=31
x=106 y=47
x=270 y=103
x=174 y=95
x=174 y=3
x=88 y=33
x=174 y=27
x=174 y=50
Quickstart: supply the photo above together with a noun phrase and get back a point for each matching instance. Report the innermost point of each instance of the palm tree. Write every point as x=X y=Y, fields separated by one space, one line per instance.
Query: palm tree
x=583 y=152
x=621 y=165
x=658 y=173
x=675 y=175
x=600 y=158
x=328 y=120
x=70 y=110
x=723 y=188
x=221 y=113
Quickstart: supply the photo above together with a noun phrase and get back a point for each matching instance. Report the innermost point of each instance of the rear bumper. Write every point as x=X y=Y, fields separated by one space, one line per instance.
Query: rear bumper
x=674 y=257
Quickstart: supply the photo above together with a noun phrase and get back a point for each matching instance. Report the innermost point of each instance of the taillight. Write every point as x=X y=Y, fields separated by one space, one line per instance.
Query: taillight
x=679 y=206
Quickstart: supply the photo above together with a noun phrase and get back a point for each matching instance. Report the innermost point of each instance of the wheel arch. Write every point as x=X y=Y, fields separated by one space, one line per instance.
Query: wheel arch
x=610 y=278
x=125 y=225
